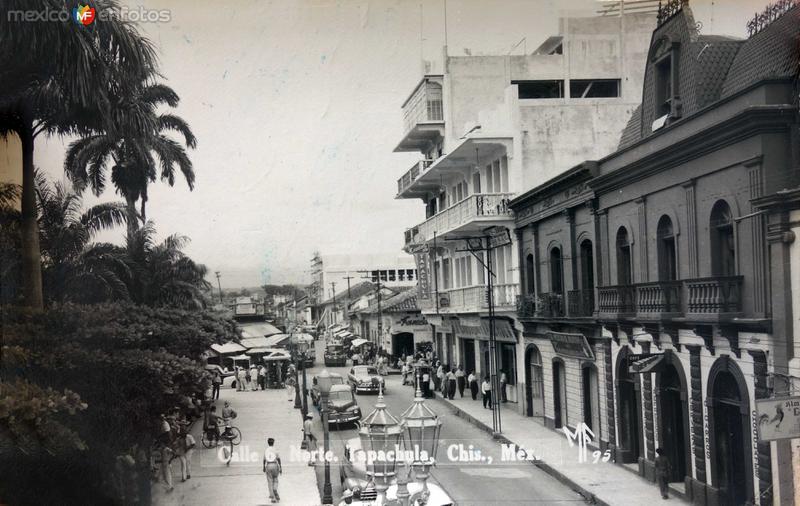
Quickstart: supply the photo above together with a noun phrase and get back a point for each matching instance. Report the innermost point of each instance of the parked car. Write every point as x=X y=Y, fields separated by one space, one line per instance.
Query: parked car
x=218 y=368
x=365 y=378
x=336 y=379
x=342 y=406
x=334 y=355
x=353 y=476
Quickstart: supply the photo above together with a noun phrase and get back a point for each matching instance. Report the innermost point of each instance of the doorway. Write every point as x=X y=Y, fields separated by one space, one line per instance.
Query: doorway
x=468 y=354
x=534 y=382
x=402 y=344
x=591 y=399
x=629 y=424
x=674 y=422
x=730 y=450
x=559 y=394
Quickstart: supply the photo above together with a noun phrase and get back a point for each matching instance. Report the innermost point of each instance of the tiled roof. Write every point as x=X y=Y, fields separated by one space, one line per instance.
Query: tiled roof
x=396 y=303
x=773 y=52
x=356 y=291
x=713 y=59
x=633 y=130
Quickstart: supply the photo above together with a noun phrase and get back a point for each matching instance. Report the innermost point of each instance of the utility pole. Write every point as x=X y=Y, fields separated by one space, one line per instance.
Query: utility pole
x=333 y=289
x=380 y=311
x=347 y=302
x=220 y=288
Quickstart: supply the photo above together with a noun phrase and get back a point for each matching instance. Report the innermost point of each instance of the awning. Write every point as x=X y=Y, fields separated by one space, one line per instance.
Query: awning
x=255 y=342
x=645 y=363
x=279 y=340
x=241 y=357
x=358 y=342
x=503 y=331
x=228 y=348
x=258 y=330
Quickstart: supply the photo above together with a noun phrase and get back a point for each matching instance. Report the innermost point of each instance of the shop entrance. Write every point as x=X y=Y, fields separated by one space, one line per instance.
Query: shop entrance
x=674 y=421
x=468 y=352
x=402 y=344
x=629 y=423
x=730 y=421
x=559 y=394
x=534 y=382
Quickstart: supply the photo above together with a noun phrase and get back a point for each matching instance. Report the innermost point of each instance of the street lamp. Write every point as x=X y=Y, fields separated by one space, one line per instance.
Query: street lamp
x=325 y=382
x=299 y=349
x=423 y=427
x=381 y=433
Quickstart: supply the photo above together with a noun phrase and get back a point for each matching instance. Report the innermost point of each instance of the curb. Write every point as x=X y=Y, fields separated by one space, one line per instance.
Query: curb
x=561 y=477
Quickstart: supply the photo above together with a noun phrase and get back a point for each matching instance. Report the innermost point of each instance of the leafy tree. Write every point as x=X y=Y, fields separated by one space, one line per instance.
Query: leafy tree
x=57 y=79
x=10 y=244
x=131 y=149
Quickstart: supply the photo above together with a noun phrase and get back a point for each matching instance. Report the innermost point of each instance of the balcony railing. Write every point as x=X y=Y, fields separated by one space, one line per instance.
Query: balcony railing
x=580 y=303
x=550 y=305
x=424 y=106
x=412 y=174
x=474 y=207
x=659 y=297
x=470 y=299
x=714 y=295
x=616 y=299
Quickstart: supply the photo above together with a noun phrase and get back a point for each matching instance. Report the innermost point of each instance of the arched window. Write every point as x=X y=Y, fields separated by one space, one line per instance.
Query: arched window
x=667 y=257
x=529 y=274
x=624 y=269
x=723 y=244
x=556 y=271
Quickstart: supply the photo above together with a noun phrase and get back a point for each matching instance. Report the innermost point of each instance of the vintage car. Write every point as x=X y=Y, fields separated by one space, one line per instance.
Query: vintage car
x=353 y=477
x=342 y=406
x=335 y=355
x=336 y=379
x=365 y=378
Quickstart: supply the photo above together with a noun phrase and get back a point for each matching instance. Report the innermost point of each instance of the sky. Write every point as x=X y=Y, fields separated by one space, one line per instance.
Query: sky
x=296 y=107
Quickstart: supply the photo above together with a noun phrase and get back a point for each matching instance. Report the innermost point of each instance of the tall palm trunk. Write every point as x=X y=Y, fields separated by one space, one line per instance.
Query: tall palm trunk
x=133 y=217
x=31 y=256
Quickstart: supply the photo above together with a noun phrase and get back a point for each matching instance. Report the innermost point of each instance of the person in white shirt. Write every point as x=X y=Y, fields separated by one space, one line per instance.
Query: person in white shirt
x=241 y=380
x=272 y=468
x=253 y=378
x=486 y=390
x=472 y=380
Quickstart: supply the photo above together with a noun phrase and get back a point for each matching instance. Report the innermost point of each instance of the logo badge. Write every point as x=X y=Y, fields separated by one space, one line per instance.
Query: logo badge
x=83 y=15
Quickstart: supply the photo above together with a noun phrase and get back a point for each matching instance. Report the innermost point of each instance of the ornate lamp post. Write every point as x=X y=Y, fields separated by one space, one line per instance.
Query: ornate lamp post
x=295 y=352
x=303 y=347
x=324 y=382
x=423 y=427
x=381 y=434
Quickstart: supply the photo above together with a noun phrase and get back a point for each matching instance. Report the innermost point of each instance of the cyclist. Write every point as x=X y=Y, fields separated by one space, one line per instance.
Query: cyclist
x=228 y=414
x=211 y=424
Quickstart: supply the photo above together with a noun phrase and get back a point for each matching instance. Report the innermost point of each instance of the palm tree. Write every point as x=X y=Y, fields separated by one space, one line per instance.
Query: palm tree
x=74 y=270
x=10 y=261
x=162 y=274
x=132 y=149
x=57 y=79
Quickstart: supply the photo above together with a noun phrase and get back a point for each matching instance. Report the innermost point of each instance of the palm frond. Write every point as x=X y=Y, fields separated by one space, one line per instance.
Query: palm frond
x=177 y=124
x=104 y=216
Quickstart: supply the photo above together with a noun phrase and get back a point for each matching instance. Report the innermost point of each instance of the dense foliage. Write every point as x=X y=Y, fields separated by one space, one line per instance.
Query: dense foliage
x=84 y=384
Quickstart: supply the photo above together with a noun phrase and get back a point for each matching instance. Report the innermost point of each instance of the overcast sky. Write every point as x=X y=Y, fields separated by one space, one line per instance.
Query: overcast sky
x=296 y=106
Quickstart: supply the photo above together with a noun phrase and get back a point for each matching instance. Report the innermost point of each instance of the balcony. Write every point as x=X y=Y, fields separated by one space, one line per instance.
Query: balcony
x=409 y=177
x=711 y=298
x=617 y=300
x=470 y=299
x=580 y=303
x=659 y=298
x=473 y=213
x=423 y=116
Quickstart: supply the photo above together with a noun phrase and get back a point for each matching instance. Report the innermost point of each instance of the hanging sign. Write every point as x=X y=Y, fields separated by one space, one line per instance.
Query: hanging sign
x=571 y=345
x=645 y=363
x=778 y=418
x=423 y=283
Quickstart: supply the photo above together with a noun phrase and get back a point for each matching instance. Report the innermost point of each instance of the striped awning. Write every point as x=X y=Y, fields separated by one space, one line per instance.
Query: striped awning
x=503 y=331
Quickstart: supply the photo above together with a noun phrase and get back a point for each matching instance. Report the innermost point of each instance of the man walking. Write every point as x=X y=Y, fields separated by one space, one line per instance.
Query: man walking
x=311 y=440
x=186 y=445
x=461 y=380
x=473 y=385
x=451 y=384
x=503 y=383
x=486 y=390
x=272 y=468
x=216 y=381
x=663 y=468
x=241 y=380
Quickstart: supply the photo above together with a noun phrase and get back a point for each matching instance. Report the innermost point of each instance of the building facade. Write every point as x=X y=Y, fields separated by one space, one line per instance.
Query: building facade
x=486 y=128
x=657 y=282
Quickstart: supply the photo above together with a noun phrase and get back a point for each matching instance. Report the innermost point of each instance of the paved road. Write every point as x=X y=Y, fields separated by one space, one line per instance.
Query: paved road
x=469 y=483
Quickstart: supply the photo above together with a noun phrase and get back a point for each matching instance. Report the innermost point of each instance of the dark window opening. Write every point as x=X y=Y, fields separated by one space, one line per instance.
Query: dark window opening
x=667 y=258
x=663 y=86
x=594 y=88
x=723 y=244
x=624 y=274
x=540 y=89
x=559 y=49
x=556 y=274
x=529 y=274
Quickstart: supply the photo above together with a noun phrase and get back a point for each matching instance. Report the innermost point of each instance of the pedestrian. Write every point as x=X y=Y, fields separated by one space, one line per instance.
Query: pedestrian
x=451 y=384
x=486 y=390
x=503 y=383
x=473 y=385
x=404 y=373
x=439 y=377
x=663 y=469
x=426 y=384
x=262 y=377
x=165 y=440
x=241 y=378
x=253 y=378
x=185 y=449
x=461 y=380
x=272 y=468
x=290 y=387
x=311 y=440
x=216 y=382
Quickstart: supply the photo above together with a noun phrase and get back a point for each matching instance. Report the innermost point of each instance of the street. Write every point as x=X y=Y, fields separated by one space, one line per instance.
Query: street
x=468 y=483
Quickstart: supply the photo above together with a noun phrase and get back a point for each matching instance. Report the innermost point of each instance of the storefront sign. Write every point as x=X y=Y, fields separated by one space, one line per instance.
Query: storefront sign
x=645 y=363
x=423 y=284
x=470 y=321
x=571 y=345
x=777 y=418
x=412 y=321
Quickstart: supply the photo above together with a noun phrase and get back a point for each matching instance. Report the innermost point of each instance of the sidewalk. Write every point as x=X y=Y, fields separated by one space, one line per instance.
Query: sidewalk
x=261 y=414
x=600 y=482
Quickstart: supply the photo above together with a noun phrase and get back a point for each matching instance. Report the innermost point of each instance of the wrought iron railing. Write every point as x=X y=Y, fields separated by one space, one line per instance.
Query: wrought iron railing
x=412 y=174
x=550 y=305
x=474 y=207
x=580 y=303
x=526 y=306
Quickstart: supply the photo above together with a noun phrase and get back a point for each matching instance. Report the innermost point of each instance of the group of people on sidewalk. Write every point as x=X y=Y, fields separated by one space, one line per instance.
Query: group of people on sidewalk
x=175 y=442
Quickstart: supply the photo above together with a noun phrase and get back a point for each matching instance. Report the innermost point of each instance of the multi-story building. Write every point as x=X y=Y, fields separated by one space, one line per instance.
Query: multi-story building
x=488 y=127
x=657 y=282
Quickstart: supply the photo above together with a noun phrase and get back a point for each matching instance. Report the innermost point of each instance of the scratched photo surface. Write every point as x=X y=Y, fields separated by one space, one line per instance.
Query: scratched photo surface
x=399 y=252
